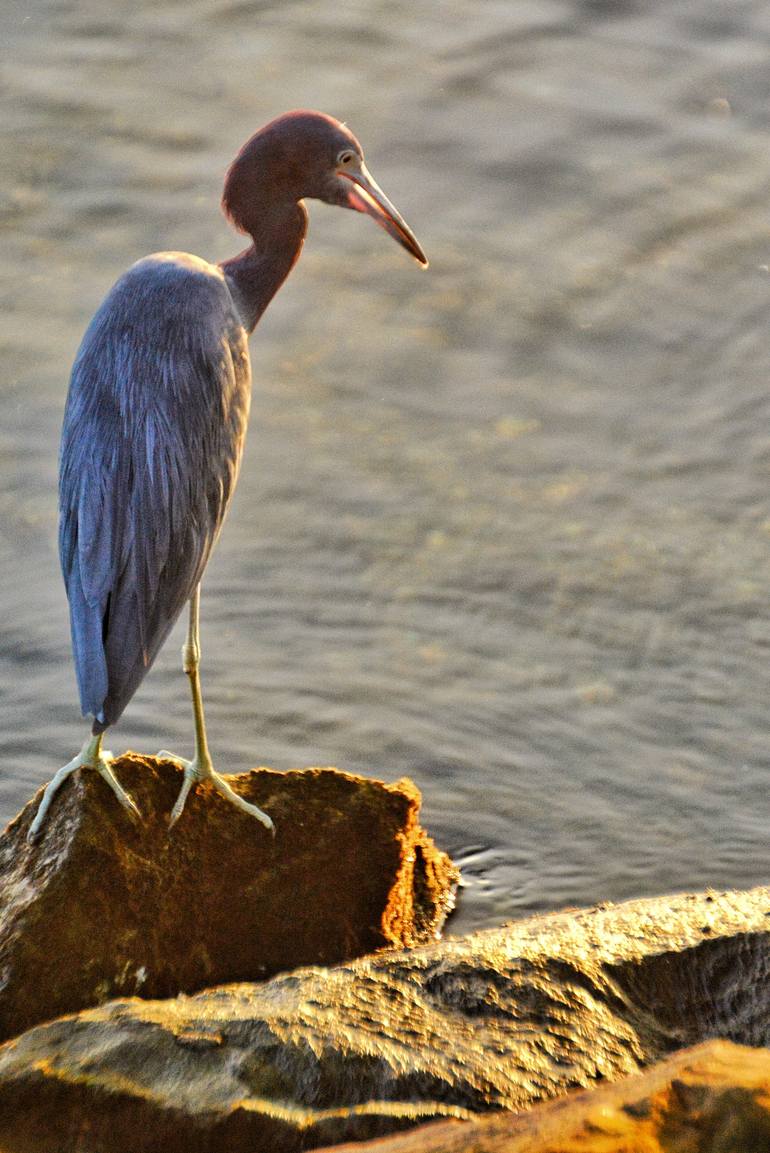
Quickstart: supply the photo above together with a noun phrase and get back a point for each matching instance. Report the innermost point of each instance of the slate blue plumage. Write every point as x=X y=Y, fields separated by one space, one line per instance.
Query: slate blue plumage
x=155 y=422
x=153 y=434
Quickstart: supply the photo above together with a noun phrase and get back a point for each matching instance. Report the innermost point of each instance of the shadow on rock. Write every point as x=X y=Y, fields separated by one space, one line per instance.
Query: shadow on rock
x=714 y=1098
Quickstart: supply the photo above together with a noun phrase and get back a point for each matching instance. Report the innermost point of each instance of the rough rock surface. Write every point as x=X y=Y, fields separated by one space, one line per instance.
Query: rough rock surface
x=714 y=1098
x=497 y=1020
x=101 y=907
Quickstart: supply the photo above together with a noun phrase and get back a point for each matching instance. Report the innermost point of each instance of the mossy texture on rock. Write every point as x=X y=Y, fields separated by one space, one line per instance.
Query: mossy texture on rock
x=101 y=907
x=495 y=1021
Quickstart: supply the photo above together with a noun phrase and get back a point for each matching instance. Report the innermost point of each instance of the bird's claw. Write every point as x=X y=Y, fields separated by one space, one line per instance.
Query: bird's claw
x=194 y=773
x=91 y=756
x=165 y=755
x=104 y=769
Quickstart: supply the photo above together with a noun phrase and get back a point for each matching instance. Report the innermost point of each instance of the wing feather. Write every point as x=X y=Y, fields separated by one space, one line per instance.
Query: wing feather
x=151 y=445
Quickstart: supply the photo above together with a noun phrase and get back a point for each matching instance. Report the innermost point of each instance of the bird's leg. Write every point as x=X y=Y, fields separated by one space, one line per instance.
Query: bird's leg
x=91 y=756
x=201 y=768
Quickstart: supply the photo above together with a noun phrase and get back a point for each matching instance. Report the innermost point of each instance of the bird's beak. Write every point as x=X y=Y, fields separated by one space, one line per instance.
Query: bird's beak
x=365 y=195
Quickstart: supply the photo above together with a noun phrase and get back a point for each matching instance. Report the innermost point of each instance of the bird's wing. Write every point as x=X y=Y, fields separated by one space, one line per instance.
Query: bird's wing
x=151 y=444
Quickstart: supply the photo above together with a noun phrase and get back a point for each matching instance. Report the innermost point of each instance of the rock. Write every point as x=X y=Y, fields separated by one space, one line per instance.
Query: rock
x=714 y=1098
x=495 y=1021
x=101 y=907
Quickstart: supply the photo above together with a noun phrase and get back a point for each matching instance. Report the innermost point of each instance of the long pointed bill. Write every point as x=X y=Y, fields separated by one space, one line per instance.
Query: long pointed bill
x=365 y=195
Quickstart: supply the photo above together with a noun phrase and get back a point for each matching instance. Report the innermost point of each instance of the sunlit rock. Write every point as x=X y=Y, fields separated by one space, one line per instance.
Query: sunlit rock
x=714 y=1098
x=495 y=1021
x=101 y=907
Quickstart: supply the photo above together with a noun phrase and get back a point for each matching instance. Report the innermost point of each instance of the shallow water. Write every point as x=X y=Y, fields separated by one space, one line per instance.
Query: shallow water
x=502 y=526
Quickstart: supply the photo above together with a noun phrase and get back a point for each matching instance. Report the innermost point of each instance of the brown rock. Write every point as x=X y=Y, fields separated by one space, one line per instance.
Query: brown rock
x=101 y=907
x=714 y=1098
x=498 y=1020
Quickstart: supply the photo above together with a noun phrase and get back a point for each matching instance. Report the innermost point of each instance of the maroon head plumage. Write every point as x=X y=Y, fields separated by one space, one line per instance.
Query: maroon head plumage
x=303 y=155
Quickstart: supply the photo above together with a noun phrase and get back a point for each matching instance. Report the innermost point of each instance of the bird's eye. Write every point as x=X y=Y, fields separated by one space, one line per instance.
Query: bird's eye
x=345 y=159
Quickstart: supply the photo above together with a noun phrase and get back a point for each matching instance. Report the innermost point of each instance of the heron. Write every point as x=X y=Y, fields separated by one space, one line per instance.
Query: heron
x=154 y=428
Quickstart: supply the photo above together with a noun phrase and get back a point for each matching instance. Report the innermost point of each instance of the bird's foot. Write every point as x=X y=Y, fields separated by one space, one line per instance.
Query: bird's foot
x=196 y=771
x=91 y=756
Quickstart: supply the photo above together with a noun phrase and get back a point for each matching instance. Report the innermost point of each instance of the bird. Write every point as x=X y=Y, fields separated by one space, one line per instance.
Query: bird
x=154 y=428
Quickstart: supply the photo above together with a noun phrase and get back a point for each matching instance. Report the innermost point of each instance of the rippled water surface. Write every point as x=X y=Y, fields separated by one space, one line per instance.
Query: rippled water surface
x=502 y=526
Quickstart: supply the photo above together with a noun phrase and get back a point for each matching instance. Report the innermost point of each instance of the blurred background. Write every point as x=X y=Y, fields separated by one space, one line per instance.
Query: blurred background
x=503 y=525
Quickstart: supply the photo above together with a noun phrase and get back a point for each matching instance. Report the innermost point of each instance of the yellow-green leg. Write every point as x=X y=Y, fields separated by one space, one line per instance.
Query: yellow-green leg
x=201 y=768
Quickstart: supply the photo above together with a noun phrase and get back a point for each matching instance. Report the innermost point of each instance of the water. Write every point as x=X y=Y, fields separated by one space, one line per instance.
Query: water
x=502 y=526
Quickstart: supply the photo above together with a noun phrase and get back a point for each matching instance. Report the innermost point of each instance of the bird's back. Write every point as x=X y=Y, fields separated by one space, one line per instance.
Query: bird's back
x=151 y=444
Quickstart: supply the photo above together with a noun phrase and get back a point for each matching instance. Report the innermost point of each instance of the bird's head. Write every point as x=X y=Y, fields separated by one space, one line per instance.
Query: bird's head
x=309 y=155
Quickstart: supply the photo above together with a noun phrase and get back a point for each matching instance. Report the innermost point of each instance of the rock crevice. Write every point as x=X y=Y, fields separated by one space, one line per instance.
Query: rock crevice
x=496 y=1021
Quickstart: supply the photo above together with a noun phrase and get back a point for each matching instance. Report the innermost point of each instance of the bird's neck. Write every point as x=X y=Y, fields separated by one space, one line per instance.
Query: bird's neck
x=256 y=274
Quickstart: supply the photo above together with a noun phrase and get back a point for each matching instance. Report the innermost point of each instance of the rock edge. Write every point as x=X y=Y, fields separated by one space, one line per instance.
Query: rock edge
x=101 y=907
